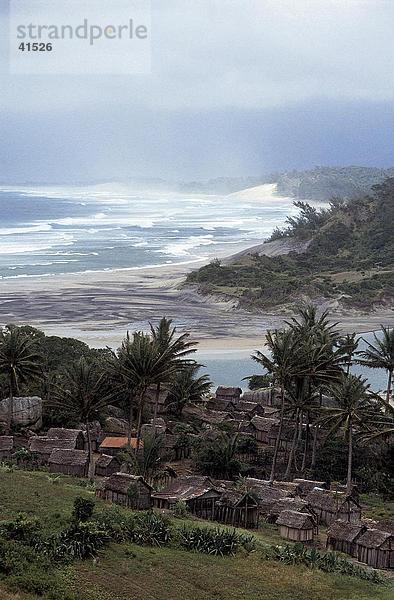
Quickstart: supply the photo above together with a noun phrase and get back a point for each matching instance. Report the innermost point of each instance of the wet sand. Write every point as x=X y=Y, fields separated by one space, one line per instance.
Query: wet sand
x=98 y=307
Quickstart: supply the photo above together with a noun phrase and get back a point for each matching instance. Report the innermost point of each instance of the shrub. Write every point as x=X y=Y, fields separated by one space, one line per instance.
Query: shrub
x=215 y=541
x=22 y=529
x=80 y=541
x=330 y=562
x=181 y=509
x=150 y=529
x=83 y=509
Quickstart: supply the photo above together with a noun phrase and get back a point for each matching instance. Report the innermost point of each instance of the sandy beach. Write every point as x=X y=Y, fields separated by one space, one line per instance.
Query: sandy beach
x=98 y=308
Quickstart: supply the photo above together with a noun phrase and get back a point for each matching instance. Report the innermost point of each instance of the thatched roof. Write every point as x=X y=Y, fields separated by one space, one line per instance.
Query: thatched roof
x=306 y=485
x=267 y=494
x=288 y=486
x=59 y=433
x=187 y=487
x=287 y=503
x=295 y=520
x=44 y=445
x=385 y=525
x=374 y=538
x=263 y=423
x=121 y=482
x=228 y=392
x=215 y=416
x=6 y=443
x=347 y=532
x=327 y=500
x=224 y=405
x=249 y=407
x=74 y=458
x=104 y=460
x=234 y=498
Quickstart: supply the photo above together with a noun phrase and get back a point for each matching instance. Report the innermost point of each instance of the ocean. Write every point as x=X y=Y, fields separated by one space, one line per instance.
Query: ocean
x=53 y=230
x=231 y=367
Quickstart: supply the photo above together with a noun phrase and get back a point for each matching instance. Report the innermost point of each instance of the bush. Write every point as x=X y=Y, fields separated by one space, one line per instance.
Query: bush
x=150 y=529
x=83 y=509
x=80 y=541
x=329 y=562
x=181 y=509
x=22 y=529
x=215 y=541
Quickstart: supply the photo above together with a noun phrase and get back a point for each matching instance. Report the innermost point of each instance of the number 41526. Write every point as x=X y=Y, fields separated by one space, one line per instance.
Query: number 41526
x=35 y=47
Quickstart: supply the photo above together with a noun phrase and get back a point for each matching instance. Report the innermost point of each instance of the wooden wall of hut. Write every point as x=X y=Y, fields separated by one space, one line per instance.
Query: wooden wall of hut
x=296 y=535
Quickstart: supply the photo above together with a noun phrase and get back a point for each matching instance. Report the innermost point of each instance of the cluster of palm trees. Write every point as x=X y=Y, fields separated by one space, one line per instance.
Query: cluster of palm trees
x=308 y=359
x=84 y=388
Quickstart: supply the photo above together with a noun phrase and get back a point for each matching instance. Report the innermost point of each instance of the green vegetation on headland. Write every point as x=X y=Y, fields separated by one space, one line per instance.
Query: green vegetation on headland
x=349 y=259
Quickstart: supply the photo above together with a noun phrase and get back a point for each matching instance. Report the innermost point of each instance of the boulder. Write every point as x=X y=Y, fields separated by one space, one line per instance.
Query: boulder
x=114 y=425
x=115 y=411
x=27 y=412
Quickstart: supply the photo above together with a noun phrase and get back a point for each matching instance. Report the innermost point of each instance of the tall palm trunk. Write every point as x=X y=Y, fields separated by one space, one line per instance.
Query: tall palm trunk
x=157 y=397
x=279 y=435
x=314 y=446
x=306 y=447
x=389 y=383
x=90 y=453
x=10 y=412
x=139 y=422
x=293 y=445
x=130 y=420
x=349 y=458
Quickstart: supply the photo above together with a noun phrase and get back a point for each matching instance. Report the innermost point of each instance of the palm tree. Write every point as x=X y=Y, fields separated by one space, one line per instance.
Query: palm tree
x=187 y=388
x=348 y=346
x=80 y=394
x=147 y=462
x=380 y=355
x=174 y=348
x=280 y=366
x=20 y=362
x=353 y=411
x=143 y=363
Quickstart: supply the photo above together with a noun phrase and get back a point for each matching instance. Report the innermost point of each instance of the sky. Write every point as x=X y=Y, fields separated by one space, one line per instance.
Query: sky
x=237 y=87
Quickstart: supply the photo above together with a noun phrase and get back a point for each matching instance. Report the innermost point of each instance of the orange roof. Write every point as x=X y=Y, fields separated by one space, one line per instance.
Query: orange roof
x=119 y=442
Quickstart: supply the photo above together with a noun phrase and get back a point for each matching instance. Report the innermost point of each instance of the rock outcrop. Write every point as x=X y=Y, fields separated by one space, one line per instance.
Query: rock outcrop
x=27 y=412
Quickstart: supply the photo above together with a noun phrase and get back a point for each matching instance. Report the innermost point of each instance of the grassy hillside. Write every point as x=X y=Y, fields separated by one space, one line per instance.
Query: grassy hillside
x=125 y=571
x=349 y=258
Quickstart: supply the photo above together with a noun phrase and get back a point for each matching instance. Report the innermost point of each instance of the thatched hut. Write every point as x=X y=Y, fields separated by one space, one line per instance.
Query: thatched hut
x=6 y=446
x=342 y=536
x=250 y=408
x=106 y=465
x=198 y=492
x=307 y=485
x=264 y=396
x=131 y=491
x=296 y=526
x=221 y=405
x=239 y=509
x=228 y=393
x=267 y=495
x=287 y=503
x=43 y=446
x=113 y=445
x=69 y=462
x=75 y=436
x=376 y=549
x=262 y=427
x=330 y=506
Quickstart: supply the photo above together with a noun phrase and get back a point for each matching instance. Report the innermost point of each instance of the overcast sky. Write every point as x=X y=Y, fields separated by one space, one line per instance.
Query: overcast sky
x=237 y=87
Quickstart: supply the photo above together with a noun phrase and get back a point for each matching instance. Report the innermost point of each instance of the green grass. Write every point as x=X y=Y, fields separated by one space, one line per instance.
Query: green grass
x=124 y=572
